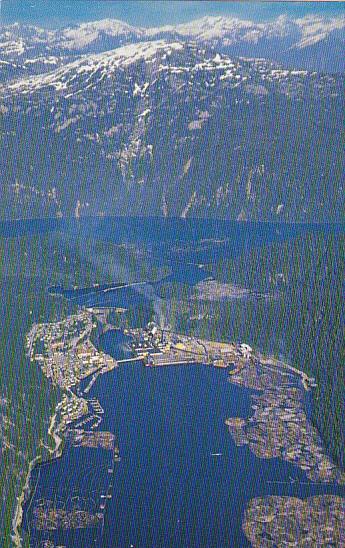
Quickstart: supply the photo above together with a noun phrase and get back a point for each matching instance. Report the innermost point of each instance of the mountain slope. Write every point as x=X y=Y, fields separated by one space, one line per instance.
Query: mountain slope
x=311 y=42
x=166 y=128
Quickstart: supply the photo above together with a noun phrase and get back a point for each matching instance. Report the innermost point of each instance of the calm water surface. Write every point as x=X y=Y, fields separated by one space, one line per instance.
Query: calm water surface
x=168 y=489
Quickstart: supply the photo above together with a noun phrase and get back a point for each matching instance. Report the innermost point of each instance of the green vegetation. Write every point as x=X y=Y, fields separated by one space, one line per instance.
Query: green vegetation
x=28 y=265
x=300 y=322
x=30 y=397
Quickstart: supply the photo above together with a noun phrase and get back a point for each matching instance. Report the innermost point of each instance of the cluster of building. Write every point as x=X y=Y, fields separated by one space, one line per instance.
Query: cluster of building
x=72 y=408
x=159 y=347
x=65 y=351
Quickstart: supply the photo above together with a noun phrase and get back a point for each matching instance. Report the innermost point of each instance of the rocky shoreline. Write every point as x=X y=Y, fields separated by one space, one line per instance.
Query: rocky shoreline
x=55 y=453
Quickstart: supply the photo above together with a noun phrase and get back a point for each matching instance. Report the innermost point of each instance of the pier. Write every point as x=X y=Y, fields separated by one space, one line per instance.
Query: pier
x=141 y=357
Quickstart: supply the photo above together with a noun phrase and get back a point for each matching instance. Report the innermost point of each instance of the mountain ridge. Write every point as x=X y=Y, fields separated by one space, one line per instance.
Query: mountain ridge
x=185 y=121
x=293 y=40
x=153 y=129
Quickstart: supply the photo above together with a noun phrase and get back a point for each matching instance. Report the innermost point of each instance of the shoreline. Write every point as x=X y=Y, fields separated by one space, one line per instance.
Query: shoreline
x=57 y=450
x=308 y=382
x=18 y=516
x=17 y=521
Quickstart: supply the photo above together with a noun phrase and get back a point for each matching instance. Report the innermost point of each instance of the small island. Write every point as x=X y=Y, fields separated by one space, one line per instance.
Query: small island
x=68 y=355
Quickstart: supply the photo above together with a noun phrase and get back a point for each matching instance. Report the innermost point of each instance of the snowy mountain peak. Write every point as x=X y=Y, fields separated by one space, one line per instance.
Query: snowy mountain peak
x=210 y=27
x=92 y=69
x=85 y=34
x=296 y=41
x=109 y=25
x=315 y=29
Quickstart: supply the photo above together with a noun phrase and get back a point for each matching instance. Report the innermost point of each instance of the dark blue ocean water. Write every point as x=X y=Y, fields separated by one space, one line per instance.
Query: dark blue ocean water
x=168 y=489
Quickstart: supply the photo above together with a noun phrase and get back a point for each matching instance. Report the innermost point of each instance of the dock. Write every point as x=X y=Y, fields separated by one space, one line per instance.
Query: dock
x=141 y=357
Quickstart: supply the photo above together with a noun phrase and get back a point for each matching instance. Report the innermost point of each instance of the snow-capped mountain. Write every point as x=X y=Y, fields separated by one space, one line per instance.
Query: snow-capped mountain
x=95 y=35
x=227 y=30
x=89 y=70
x=176 y=129
x=219 y=117
x=312 y=42
x=94 y=72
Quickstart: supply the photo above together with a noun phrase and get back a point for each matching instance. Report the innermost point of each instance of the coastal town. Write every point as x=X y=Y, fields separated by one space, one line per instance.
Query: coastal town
x=172 y=237
x=68 y=355
x=65 y=351
x=279 y=426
